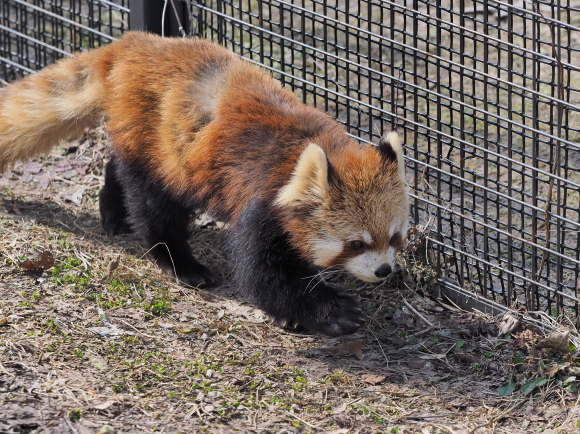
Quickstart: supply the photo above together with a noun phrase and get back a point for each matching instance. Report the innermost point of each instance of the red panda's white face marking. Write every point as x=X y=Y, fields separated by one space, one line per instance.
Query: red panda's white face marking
x=360 y=254
x=366 y=237
x=351 y=211
x=372 y=266
x=365 y=266
x=325 y=250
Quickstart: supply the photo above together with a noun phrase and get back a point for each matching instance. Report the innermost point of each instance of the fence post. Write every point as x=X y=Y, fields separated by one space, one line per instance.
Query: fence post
x=146 y=15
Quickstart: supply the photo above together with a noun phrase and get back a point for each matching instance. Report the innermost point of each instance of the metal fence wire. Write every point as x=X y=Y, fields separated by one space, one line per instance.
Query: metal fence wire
x=36 y=33
x=486 y=94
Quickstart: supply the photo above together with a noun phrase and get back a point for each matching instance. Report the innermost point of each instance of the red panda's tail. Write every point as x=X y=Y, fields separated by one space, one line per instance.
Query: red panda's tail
x=51 y=105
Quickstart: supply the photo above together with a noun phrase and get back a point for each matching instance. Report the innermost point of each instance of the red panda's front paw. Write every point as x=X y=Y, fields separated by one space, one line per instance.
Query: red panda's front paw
x=336 y=316
x=343 y=318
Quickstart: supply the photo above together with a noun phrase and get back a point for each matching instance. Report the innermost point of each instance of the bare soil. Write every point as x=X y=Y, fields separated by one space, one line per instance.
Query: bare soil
x=103 y=342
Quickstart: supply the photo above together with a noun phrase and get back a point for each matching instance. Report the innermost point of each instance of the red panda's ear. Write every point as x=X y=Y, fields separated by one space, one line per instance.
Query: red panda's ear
x=391 y=150
x=309 y=181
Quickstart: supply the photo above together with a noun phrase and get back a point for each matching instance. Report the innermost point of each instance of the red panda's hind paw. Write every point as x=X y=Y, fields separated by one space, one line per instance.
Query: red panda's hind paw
x=200 y=277
x=115 y=227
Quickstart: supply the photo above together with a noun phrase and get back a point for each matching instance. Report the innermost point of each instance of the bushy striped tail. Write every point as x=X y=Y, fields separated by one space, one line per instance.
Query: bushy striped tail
x=55 y=104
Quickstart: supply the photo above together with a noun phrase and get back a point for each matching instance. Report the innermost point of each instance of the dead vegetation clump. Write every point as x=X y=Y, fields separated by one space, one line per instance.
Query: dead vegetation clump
x=94 y=339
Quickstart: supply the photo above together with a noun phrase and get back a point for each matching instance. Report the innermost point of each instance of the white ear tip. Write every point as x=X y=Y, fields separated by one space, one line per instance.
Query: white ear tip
x=394 y=140
x=310 y=174
x=313 y=149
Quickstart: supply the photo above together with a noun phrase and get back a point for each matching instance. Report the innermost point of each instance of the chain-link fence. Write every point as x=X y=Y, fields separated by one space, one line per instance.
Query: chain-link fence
x=486 y=94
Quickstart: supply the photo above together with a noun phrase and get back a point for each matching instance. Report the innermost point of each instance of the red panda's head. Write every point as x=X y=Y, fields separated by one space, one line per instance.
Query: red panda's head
x=349 y=209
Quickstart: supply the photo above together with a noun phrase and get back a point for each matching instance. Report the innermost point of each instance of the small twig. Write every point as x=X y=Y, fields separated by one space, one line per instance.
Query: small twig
x=429 y=416
x=496 y=418
x=258 y=396
x=303 y=421
x=3 y=369
x=138 y=332
x=381 y=347
x=422 y=332
x=72 y=428
x=412 y=309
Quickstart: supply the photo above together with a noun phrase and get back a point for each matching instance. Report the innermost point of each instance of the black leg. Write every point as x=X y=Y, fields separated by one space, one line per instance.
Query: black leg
x=163 y=223
x=285 y=286
x=112 y=203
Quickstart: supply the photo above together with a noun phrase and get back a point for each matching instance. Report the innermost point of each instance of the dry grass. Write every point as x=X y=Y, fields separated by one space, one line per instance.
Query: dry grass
x=177 y=360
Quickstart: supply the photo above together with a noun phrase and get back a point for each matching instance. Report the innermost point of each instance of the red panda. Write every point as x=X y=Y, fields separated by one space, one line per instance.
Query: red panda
x=193 y=126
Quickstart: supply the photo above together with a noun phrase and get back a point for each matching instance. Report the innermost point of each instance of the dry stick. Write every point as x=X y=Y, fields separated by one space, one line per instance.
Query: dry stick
x=168 y=252
x=422 y=332
x=72 y=428
x=138 y=332
x=381 y=347
x=429 y=323
x=429 y=416
x=417 y=313
x=3 y=369
x=303 y=421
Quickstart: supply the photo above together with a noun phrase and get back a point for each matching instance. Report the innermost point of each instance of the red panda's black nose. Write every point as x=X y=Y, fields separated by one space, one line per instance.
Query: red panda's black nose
x=383 y=271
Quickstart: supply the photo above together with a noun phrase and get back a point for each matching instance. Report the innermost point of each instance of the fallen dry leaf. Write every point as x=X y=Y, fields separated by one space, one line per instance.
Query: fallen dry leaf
x=342 y=407
x=44 y=261
x=374 y=378
x=77 y=196
x=508 y=324
x=432 y=356
x=551 y=370
x=519 y=342
x=416 y=363
x=557 y=341
x=113 y=265
x=354 y=347
x=104 y=405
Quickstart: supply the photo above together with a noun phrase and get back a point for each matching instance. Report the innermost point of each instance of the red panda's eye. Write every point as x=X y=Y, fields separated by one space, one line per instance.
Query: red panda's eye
x=357 y=245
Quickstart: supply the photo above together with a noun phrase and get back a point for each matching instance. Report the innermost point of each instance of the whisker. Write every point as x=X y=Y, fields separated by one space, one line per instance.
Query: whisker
x=326 y=271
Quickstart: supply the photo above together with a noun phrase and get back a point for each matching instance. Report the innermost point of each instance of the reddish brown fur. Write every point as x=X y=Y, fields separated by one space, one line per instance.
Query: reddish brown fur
x=194 y=126
x=214 y=129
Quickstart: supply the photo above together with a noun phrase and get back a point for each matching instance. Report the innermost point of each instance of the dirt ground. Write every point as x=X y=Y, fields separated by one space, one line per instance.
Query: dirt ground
x=102 y=342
